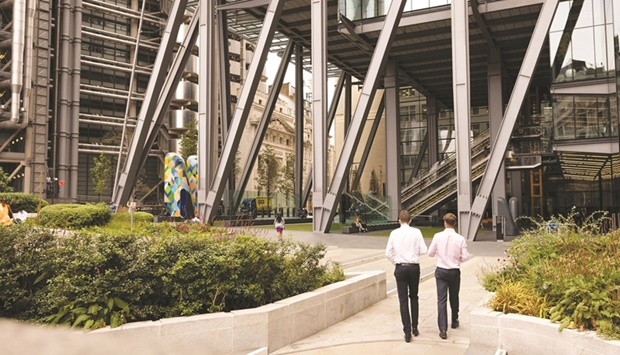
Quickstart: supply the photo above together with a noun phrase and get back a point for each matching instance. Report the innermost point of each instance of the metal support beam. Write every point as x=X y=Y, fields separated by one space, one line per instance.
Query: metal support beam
x=208 y=208
x=263 y=124
x=510 y=117
x=393 y=151
x=224 y=90
x=318 y=55
x=133 y=165
x=207 y=102
x=325 y=213
x=496 y=112
x=460 y=77
x=300 y=119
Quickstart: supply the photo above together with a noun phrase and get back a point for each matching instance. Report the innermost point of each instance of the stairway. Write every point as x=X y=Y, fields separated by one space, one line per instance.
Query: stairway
x=439 y=184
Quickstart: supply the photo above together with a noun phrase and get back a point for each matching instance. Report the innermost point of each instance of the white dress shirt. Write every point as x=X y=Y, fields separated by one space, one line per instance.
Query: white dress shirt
x=450 y=248
x=405 y=245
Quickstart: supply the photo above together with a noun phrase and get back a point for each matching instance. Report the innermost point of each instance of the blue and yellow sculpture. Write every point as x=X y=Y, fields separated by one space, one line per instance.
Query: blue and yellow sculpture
x=177 y=196
x=191 y=172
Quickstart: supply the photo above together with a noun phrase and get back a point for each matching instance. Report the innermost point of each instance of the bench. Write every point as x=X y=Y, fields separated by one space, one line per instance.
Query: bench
x=349 y=229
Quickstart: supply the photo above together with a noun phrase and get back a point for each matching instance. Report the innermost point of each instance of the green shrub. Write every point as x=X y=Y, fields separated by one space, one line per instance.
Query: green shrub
x=573 y=271
x=74 y=216
x=91 y=279
x=23 y=202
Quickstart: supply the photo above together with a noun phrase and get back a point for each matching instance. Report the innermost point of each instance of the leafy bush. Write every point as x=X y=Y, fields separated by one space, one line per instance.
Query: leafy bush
x=74 y=216
x=22 y=202
x=91 y=280
x=569 y=274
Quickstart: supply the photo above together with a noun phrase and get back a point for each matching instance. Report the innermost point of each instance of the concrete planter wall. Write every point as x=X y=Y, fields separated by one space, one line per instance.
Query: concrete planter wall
x=519 y=334
x=269 y=327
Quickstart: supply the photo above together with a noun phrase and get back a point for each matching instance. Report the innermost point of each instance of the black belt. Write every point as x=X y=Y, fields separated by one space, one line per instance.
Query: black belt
x=406 y=264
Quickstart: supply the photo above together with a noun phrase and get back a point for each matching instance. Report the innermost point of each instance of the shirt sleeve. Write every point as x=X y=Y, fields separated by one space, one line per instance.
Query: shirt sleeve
x=432 y=250
x=423 y=250
x=389 y=250
x=464 y=251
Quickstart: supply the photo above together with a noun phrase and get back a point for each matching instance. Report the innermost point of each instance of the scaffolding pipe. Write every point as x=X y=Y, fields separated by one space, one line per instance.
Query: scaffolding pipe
x=122 y=12
x=62 y=117
x=75 y=99
x=109 y=66
x=17 y=57
x=131 y=85
x=153 y=47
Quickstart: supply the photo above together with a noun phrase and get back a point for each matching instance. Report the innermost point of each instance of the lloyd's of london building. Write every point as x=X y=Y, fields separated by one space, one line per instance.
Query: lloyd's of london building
x=451 y=105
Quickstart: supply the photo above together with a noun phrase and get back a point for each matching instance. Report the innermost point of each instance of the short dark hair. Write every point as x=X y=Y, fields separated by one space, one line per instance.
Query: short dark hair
x=450 y=219
x=404 y=216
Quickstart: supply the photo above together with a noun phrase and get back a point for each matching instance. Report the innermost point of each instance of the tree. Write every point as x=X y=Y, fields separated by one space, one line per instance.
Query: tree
x=101 y=173
x=287 y=179
x=5 y=181
x=268 y=172
x=189 y=141
x=374 y=182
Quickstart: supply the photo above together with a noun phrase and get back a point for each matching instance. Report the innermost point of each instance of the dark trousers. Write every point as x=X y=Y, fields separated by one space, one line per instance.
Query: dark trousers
x=407 y=283
x=448 y=283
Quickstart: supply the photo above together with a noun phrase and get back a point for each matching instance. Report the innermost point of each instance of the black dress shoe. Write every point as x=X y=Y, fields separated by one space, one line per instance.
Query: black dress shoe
x=415 y=332
x=455 y=324
x=443 y=335
x=408 y=337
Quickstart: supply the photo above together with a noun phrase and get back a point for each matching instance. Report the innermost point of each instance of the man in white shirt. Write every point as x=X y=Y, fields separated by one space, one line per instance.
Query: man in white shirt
x=404 y=248
x=451 y=249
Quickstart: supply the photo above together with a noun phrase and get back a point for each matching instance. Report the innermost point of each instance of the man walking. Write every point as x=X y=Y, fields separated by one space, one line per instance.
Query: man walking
x=451 y=249
x=404 y=248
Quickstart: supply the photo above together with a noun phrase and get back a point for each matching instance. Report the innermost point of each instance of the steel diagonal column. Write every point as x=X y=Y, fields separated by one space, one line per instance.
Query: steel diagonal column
x=244 y=105
x=460 y=77
x=375 y=69
x=132 y=165
x=510 y=115
x=318 y=54
x=299 y=125
x=224 y=91
x=263 y=124
x=172 y=80
x=392 y=139
x=496 y=107
x=207 y=102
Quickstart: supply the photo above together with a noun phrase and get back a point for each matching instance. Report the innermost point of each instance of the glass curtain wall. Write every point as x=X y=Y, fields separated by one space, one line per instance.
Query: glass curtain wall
x=413 y=128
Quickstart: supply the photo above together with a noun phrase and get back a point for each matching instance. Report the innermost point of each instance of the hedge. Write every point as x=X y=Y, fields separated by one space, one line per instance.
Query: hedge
x=74 y=216
x=95 y=279
x=22 y=202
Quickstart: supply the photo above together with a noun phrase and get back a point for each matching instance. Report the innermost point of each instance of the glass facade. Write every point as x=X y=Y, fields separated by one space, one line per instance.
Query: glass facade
x=358 y=10
x=581 y=41
x=585 y=116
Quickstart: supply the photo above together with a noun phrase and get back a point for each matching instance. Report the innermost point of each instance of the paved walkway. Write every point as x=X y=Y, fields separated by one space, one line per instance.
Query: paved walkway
x=378 y=330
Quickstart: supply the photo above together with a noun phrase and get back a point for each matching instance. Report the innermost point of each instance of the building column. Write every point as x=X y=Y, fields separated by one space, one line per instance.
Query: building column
x=392 y=139
x=299 y=126
x=496 y=114
x=432 y=129
x=460 y=75
x=319 y=109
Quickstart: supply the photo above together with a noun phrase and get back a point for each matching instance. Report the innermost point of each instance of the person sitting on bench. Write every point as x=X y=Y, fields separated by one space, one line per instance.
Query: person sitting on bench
x=360 y=224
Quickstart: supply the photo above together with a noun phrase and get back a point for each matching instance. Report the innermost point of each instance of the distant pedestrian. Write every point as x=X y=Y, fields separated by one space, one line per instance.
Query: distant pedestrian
x=451 y=249
x=404 y=248
x=279 y=224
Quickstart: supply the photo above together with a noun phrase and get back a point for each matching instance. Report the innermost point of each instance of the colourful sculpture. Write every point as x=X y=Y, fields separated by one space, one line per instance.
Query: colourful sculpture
x=180 y=185
x=191 y=172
